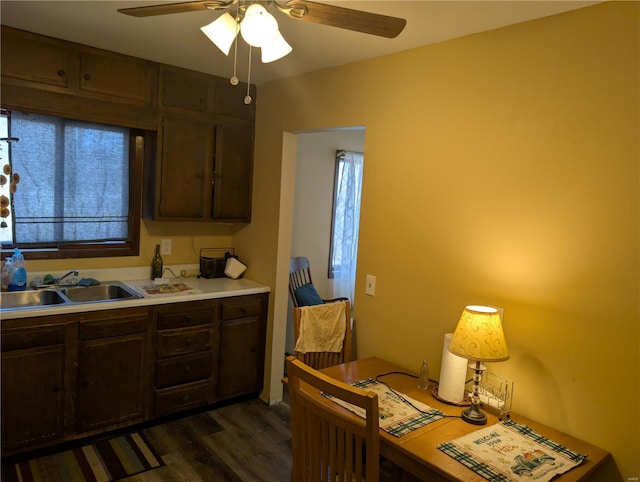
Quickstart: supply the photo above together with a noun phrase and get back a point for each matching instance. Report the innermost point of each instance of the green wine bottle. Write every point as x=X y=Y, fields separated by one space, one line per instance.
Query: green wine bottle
x=156 y=264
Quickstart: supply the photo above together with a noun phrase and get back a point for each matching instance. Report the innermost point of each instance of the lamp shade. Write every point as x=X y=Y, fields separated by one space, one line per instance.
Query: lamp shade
x=259 y=27
x=222 y=32
x=276 y=49
x=479 y=335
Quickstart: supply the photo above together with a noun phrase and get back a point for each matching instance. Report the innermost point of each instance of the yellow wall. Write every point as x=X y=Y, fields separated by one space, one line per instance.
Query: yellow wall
x=186 y=239
x=501 y=168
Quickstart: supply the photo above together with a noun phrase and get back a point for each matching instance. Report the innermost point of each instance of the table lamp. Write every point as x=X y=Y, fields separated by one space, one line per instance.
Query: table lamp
x=478 y=337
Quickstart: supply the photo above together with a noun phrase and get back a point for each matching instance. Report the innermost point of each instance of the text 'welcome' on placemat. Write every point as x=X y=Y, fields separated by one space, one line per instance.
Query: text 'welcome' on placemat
x=508 y=451
x=398 y=413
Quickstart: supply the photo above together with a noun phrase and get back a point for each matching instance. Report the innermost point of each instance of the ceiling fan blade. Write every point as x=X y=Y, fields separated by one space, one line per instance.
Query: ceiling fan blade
x=347 y=18
x=181 y=7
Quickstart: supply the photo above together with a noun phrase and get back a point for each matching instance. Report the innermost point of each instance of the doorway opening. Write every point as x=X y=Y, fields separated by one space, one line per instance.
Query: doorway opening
x=313 y=206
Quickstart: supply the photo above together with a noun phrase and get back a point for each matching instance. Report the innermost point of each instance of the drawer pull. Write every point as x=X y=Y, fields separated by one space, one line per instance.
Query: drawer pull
x=61 y=73
x=187 y=369
x=185 y=398
x=87 y=76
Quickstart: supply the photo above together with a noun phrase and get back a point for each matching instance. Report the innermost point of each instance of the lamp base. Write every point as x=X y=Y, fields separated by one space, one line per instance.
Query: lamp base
x=474 y=415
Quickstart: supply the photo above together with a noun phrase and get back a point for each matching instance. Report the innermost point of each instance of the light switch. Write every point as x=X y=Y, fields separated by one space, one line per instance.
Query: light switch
x=370 y=288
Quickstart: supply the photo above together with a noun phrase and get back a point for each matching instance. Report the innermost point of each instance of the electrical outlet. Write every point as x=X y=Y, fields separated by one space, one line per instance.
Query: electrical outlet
x=370 y=288
x=165 y=247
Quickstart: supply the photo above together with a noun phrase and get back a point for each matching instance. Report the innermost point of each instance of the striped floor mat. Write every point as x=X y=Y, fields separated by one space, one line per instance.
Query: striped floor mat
x=104 y=461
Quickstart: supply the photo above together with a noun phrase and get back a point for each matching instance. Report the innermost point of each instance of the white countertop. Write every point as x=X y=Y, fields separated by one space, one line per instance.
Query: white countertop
x=201 y=289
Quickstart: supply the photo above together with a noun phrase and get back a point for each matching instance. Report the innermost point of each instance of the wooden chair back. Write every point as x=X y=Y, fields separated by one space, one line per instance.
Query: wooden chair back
x=330 y=443
x=323 y=359
x=299 y=275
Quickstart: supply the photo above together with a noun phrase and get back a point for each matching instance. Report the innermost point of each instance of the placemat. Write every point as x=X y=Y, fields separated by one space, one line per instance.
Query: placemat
x=508 y=451
x=398 y=413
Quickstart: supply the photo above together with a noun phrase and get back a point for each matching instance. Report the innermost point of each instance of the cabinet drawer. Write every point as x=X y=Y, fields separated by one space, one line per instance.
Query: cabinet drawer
x=178 y=342
x=171 y=400
x=183 y=369
x=179 y=319
x=23 y=338
x=108 y=327
x=241 y=308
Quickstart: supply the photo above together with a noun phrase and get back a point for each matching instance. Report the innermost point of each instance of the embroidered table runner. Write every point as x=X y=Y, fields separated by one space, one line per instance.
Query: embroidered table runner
x=508 y=451
x=398 y=414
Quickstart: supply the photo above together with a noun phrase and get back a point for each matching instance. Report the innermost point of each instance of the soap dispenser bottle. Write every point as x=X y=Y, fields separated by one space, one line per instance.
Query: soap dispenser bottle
x=156 y=264
x=17 y=272
x=6 y=272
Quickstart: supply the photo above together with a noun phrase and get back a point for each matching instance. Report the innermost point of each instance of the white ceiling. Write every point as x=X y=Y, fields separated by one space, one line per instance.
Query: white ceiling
x=177 y=40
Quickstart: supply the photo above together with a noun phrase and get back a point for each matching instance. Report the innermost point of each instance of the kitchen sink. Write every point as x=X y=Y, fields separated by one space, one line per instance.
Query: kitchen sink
x=67 y=295
x=109 y=291
x=30 y=298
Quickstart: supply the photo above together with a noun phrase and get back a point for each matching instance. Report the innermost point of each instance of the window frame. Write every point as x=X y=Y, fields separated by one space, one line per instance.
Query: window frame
x=140 y=146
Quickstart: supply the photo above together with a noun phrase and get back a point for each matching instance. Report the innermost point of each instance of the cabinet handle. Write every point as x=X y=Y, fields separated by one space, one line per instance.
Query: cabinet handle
x=61 y=73
x=87 y=76
x=85 y=383
x=185 y=398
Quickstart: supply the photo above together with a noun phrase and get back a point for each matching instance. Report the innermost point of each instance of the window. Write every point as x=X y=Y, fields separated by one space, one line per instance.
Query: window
x=345 y=222
x=72 y=187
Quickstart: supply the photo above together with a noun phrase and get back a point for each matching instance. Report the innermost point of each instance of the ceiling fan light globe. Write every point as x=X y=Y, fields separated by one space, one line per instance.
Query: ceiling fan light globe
x=222 y=32
x=276 y=49
x=259 y=27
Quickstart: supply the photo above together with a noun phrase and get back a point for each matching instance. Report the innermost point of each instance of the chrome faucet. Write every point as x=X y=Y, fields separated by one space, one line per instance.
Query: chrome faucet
x=58 y=281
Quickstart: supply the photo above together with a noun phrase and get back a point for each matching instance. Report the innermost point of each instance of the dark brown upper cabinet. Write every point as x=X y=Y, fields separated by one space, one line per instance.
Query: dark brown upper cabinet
x=60 y=78
x=203 y=170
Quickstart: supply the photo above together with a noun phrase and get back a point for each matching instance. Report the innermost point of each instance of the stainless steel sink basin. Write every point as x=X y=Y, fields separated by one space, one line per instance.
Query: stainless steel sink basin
x=30 y=298
x=67 y=295
x=109 y=291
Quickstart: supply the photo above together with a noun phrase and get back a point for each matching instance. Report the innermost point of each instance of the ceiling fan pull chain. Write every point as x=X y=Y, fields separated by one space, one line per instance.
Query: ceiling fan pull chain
x=247 y=98
x=234 y=80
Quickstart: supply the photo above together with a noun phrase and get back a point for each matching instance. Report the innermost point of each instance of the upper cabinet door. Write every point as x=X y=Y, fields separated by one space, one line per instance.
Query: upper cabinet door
x=35 y=58
x=184 y=90
x=185 y=169
x=118 y=76
x=229 y=100
x=233 y=172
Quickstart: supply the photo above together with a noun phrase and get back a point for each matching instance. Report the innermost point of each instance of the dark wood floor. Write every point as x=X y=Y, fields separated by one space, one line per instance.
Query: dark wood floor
x=244 y=442
x=247 y=441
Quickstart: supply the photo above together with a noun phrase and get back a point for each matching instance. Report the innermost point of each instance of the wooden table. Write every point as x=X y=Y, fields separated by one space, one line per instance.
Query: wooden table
x=417 y=451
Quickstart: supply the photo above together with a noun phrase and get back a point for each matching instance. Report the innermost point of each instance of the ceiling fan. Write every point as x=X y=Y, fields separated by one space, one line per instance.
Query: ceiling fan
x=260 y=29
x=341 y=17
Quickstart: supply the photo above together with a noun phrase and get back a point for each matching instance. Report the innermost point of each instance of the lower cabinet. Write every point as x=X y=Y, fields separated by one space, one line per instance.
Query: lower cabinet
x=112 y=375
x=33 y=394
x=242 y=344
x=66 y=377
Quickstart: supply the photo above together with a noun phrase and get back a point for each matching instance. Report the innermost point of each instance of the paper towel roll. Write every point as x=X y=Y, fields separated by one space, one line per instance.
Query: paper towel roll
x=453 y=373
